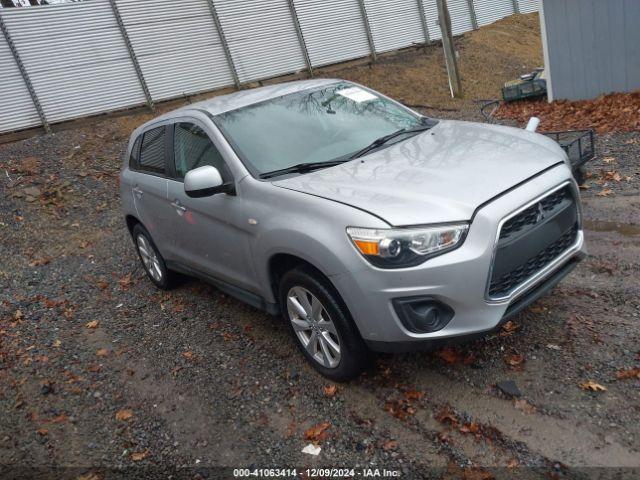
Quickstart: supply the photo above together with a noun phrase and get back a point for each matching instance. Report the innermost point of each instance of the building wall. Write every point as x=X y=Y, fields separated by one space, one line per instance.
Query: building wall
x=591 y=47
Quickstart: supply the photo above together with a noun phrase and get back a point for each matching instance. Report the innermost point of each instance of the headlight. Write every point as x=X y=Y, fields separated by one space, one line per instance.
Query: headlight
x=406 y=247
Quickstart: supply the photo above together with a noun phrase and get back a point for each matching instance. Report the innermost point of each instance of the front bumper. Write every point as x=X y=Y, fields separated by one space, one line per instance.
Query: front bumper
x=457 y=279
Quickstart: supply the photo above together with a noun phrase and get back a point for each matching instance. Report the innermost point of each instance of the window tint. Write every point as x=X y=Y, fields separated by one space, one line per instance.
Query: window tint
x=135 y=154
x=152 y=151
x=193 y=149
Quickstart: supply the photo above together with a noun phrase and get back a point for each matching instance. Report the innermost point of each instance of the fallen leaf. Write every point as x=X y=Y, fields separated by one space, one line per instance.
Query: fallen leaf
x=102 y=352
x=524 y=406
x=92 y=324
x=42 y=431
x=593 y=386
x=513 y=463
x=514 y=359
x=188 y=355
x=18 y=315
x=124 y=415
x=125 y=281
x=330 y=390
x=608 y=160
x=449 y=355
x=508 y=328
x=39 y=262
x=318 y=432
x=446 y=415
x=390 y=445
x=604 y=193
x=413 y=395
x=137 y=456
x=62 y=418
x=472 y=427
x=628 y=373
x=57 y=344
x=537 y=309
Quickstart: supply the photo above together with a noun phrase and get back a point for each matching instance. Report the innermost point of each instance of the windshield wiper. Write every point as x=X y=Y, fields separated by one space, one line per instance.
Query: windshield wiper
x=301 y=168
x=378 y=142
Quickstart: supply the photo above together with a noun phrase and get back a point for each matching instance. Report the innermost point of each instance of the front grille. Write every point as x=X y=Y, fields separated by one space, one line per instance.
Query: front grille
x=506 y=283
x=532 y=239
x=529 y=216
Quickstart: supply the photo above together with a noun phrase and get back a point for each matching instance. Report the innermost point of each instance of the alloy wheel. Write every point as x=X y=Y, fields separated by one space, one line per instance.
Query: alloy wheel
x=313 y=327
x=149 y=258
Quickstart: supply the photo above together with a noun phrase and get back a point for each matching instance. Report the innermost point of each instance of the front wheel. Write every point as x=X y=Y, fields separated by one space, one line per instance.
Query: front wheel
x=321 y=325
x=151 y=260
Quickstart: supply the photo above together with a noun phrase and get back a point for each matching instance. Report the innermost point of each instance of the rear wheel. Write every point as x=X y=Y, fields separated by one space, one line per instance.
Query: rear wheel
x=321 y=325
x=152 y=262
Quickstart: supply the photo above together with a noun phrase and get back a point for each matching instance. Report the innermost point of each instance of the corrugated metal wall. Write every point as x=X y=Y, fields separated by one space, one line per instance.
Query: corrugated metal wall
x=489 y=12
x=77 y=58
x=590 y=47
x=16 y=108
x=262 y=37
x=395 y=24
x=179 y=52
x=333 y=30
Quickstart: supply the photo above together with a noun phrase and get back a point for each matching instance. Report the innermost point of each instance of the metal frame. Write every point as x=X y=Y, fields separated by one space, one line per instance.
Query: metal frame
x=367 y=27
x=25 y=76
x=132 y=55
x=303 y=44
x=472 y=14
x=225 y=45
x=423 y=20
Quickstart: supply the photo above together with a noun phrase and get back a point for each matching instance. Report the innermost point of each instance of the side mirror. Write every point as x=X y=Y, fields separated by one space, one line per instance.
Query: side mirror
x=205 y=181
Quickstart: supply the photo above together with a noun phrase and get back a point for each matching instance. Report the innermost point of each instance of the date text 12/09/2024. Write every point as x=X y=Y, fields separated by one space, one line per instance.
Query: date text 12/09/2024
x=316 y=473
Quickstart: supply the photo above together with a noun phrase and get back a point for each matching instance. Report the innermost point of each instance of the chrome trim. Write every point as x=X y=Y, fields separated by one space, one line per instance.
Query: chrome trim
x=569 y=252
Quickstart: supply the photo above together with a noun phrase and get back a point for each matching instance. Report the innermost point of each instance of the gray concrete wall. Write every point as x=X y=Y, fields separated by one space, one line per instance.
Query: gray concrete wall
x=590 y=47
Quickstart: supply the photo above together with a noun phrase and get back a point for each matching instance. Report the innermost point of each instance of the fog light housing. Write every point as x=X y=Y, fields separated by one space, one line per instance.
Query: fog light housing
x=422 y=314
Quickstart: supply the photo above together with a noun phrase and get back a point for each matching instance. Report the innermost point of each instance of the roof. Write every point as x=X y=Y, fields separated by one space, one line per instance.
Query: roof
x=242 y=98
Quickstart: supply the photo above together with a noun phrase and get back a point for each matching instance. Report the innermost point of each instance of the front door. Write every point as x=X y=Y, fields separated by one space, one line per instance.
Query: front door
x=204 y=234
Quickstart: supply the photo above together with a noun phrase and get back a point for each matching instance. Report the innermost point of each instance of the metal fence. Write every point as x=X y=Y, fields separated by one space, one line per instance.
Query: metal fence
x=61 y=62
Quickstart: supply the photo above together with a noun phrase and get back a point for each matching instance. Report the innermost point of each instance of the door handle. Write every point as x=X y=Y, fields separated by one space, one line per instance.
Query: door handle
x=178 y=206
x=138 y=192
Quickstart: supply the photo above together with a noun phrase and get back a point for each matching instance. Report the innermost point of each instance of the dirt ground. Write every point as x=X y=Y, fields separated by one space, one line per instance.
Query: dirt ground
x=101 y=371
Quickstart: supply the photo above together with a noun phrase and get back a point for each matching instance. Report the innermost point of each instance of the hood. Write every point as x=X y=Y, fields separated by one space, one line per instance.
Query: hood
x=441 y=175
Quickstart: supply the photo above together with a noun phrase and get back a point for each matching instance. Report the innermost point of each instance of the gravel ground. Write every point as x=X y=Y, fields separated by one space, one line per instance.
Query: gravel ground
x=99 y=370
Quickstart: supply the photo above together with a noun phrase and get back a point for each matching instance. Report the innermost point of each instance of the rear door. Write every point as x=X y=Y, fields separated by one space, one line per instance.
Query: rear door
x=149 y=186
x=206 y=236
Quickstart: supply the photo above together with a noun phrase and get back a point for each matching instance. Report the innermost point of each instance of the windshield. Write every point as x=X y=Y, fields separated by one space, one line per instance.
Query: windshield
x=311 y=126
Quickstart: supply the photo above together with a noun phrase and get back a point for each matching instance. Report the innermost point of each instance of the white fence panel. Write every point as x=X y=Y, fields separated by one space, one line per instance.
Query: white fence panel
x=261 y=36
x=177 y=46
x=394 y=24
x=76 y=58
x=333 y=30
x=460 y=16
x=528 y=6
x=488 y=11
x=16 y=108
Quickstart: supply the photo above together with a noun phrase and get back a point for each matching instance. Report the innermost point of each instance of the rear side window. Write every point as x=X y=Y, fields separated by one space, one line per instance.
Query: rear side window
x=152 y=151
x=193 y=148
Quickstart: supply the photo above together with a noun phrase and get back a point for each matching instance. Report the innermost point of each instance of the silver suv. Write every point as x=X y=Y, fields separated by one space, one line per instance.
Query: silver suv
x=365 y=224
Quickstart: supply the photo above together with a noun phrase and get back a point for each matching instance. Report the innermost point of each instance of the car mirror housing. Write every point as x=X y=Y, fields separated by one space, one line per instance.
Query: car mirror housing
x=205 y=181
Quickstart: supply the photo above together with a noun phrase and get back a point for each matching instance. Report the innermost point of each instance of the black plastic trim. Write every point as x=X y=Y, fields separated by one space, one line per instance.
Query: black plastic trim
x=240 y=293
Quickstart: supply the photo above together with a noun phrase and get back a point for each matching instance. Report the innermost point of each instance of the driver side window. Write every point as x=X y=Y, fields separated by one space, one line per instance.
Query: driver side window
x=193 y=148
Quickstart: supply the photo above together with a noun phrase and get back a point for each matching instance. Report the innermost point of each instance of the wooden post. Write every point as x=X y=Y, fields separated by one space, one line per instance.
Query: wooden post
x=449 y=50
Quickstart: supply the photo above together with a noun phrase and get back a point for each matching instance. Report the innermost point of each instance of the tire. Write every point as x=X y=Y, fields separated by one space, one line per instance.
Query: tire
x=151 y=260
x=325 y=316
